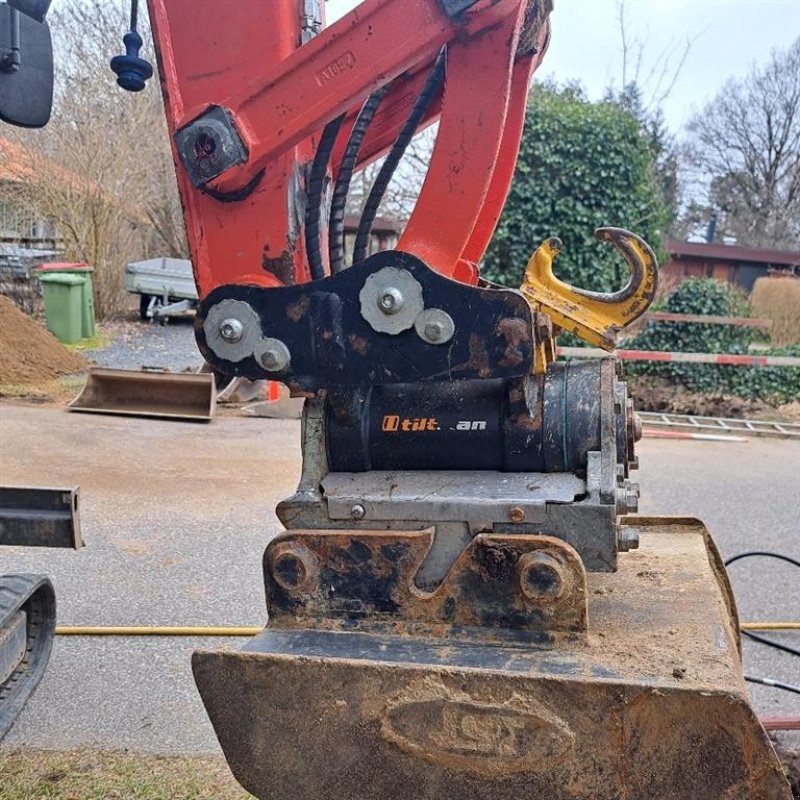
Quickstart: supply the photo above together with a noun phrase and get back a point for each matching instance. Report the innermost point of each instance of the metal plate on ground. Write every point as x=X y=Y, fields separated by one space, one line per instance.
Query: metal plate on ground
x=36 y=517
x=169 y=395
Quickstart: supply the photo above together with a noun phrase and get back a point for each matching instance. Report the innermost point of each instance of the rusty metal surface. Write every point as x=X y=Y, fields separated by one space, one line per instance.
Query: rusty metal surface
x=168 y=395
x=502 y=588
x=38 y=517
x=651 y=705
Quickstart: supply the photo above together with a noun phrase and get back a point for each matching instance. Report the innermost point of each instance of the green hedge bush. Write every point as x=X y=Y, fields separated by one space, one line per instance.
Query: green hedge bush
x=710 y=297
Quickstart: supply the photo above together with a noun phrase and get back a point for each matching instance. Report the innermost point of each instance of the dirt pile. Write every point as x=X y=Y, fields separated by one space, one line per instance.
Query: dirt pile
x=659 y=395
x=28 y=352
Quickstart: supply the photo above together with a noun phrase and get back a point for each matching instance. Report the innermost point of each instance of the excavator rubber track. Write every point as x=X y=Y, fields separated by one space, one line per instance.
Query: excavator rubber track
x=27 y=626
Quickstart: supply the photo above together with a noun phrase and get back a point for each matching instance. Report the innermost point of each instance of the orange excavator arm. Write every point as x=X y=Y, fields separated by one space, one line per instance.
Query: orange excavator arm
x=250 y=93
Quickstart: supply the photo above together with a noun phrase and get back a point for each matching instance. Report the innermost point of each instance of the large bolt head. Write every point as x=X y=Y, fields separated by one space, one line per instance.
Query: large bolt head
x=231 y=330
x=628 y=539
x=292 y=566
x=391 y=300
x=542 y=577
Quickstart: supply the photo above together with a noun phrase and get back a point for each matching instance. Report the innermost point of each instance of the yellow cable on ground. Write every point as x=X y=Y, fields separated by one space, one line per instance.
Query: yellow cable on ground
x=155 y=630
x=770 y=626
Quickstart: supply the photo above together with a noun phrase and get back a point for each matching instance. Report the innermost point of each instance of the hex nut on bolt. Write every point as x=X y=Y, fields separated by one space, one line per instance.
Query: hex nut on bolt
x=516 y=514
x=628 y=539
x=272 y=354
x=358 y=511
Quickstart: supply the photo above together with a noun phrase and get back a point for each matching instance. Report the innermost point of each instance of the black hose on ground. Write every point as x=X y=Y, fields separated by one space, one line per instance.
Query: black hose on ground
x=763 y=639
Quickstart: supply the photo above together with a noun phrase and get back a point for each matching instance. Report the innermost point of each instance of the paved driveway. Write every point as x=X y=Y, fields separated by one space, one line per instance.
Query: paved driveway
x=176 y=516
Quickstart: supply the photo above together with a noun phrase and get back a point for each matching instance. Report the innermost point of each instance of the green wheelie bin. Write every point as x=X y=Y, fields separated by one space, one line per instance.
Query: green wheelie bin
x=87 y=291
x=63 y=302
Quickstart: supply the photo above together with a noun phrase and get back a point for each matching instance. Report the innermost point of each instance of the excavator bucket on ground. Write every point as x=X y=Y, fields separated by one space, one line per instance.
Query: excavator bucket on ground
x=169 y=395
x=363 y=687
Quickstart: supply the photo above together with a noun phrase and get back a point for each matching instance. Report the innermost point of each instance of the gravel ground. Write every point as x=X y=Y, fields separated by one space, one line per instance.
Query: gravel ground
x=176 y=517
x=135 y=344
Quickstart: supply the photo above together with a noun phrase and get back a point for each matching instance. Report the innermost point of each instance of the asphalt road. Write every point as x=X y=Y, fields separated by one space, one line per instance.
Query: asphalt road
x=176 y=516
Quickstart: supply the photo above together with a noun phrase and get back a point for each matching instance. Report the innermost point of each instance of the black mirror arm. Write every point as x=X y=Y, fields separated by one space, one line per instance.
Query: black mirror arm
x=11 y=60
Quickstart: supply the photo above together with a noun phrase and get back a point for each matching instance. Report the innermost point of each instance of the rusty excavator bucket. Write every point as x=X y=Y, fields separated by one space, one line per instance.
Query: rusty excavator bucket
x=520 y=676
x=169 y=395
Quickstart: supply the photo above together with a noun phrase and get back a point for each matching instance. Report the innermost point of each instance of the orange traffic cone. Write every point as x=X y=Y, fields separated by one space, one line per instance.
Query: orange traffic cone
x=273 y=391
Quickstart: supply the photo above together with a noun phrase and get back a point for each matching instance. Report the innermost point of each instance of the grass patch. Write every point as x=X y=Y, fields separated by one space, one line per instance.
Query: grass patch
x=778 y=299
x=87 y=775
x=97 y=342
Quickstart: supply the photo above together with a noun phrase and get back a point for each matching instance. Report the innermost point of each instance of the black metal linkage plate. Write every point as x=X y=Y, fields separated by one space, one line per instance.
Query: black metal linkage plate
x=39 y=517
x=332 y=344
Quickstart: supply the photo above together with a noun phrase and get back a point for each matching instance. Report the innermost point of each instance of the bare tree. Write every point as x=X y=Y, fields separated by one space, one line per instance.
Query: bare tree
x=745 y=149
x=647 y=79
x=102 y=169
x=402 y=193
x=653 y=75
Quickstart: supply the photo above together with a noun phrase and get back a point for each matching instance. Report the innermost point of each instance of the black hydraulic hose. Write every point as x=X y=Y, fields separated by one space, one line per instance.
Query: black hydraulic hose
x=339 y=201
x=764 y=554
x=407 y=132
x=781 y=557
x=788 y=687
x=792 y=651
x=316 y=188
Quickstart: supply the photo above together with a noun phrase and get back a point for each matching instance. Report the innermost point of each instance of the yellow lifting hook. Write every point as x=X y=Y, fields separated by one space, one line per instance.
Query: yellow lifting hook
x=595 y=317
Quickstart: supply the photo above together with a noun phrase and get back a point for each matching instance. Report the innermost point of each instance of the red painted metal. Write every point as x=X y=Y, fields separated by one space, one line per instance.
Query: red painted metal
x=780 y=723
x=206 y=49
x=464 y=159
x=247 y=58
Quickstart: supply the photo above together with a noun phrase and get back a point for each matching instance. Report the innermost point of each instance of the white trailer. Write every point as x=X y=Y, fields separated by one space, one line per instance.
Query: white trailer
x=165 y=285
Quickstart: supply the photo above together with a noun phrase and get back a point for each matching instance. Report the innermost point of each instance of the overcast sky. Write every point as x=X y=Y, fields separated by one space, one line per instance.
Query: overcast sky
x=726 y=35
